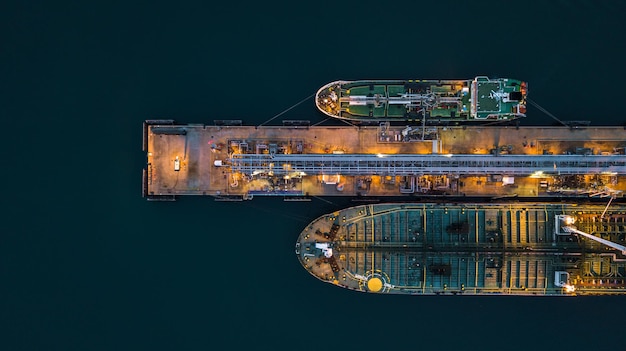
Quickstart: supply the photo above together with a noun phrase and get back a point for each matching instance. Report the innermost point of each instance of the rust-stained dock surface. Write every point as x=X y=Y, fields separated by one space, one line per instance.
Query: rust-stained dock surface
x=200 y=147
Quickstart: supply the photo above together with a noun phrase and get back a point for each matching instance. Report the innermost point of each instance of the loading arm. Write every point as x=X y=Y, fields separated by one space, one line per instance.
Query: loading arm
x=617 y=246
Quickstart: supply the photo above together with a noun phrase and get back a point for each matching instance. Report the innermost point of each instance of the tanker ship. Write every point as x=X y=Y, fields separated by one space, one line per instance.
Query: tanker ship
x=469 y=249
x=481 y=99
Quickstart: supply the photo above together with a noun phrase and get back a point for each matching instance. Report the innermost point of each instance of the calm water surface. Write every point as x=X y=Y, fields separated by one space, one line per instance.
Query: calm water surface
x=87 y=264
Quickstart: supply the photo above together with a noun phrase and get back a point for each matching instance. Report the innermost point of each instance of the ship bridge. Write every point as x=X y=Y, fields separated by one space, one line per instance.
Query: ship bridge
x=431 y=164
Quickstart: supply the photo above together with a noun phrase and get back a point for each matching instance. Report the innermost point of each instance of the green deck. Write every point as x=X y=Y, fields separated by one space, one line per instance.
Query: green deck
x=414 y=100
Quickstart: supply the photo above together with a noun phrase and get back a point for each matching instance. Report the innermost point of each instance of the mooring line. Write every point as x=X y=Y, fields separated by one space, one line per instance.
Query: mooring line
x=280 y=114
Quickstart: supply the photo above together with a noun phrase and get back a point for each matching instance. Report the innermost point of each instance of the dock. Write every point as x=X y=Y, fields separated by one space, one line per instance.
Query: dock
x=234 y=162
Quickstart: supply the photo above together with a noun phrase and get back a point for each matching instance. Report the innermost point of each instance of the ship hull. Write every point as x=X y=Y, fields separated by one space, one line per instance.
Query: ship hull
x=429 y=101
x=468 y=249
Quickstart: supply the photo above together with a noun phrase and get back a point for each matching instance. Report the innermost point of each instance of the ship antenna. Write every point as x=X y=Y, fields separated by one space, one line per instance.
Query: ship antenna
x=301 y=101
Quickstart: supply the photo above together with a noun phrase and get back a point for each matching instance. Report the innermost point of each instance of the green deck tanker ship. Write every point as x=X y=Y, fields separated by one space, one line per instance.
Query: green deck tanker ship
x=481 y=99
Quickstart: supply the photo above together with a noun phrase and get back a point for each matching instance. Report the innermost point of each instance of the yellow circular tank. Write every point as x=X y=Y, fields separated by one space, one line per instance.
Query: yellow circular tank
x=374 y=284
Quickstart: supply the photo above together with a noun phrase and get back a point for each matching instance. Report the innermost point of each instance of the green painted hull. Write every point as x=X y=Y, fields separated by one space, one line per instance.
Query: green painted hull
x=429 y=101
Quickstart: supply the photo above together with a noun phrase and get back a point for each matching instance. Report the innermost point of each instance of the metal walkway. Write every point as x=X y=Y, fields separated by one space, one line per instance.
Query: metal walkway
x=403 y=164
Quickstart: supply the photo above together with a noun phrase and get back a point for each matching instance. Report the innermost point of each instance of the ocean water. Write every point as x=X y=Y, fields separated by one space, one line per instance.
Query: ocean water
x=87 y=264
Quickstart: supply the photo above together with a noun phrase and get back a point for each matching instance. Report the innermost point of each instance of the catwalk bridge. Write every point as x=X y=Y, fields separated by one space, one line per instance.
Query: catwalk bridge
x=431 y=164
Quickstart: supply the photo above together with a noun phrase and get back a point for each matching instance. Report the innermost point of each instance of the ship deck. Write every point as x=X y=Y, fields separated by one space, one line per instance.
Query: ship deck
x=201 y=148
x=428 y=248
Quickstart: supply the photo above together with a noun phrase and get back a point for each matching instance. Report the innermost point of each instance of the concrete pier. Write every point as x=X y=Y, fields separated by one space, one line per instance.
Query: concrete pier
x=202 y=160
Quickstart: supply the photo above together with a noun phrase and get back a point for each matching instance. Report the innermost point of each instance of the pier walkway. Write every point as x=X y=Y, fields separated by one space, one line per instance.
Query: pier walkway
x=449 y=164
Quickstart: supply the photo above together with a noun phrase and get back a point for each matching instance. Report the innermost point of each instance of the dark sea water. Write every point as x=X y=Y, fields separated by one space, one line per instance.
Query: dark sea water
x=87 y=264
